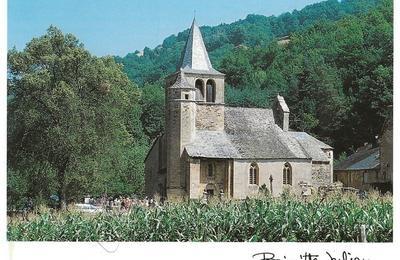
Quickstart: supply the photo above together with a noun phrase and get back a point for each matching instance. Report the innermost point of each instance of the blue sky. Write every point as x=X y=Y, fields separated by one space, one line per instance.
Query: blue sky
x=117 y=27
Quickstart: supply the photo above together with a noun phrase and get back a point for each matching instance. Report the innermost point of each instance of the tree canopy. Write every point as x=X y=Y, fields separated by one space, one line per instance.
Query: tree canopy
x=336 y=77
x=73 y=120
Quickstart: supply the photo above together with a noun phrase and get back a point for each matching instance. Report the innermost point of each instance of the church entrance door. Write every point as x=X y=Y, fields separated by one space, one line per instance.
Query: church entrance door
x=210 y=189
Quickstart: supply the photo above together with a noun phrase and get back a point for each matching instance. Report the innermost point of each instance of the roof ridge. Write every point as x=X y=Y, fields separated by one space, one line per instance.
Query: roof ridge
x=259 y=108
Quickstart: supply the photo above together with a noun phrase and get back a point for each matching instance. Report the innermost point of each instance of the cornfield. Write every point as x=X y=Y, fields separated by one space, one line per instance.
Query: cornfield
x=335 y=218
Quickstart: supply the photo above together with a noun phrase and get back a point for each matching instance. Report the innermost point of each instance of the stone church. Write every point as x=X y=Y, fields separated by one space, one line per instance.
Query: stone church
x=211 y=148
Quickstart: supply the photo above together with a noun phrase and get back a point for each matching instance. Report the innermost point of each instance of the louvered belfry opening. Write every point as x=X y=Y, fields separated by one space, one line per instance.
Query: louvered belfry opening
x=210 y=90
x=199 y=90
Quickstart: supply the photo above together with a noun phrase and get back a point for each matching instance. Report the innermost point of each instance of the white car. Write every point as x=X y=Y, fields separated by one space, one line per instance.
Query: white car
x=88 y=208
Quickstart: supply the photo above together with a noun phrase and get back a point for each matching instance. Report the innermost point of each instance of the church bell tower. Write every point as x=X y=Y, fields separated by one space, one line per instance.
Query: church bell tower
x=196 y=83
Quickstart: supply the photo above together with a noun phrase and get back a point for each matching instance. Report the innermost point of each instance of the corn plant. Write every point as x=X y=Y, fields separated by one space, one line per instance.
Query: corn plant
x=336 y=218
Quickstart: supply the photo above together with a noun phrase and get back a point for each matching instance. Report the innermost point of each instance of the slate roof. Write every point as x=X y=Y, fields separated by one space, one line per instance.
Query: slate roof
x=182 y=82
x=195 y=57
x=362 y=160
x=251 y=133
x=212 y=144
x=312 y=146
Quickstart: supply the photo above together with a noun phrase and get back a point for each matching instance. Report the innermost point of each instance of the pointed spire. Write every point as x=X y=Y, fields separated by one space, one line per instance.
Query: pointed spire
x=195 y=54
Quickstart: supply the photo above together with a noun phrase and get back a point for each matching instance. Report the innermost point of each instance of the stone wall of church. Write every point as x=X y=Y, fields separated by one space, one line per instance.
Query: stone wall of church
x=180 y=129
x=210 y=117
x=173 y=141
x=200 y=180
x=155 y=169
x=187 y=131
x=321 y=174
x=301 y=172
x=193 y=178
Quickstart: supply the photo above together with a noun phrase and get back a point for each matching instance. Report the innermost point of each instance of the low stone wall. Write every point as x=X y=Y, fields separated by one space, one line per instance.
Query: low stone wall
x=321 y=174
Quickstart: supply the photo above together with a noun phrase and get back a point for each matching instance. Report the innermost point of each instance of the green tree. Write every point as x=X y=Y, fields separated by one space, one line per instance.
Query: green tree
x=236 y=65
x=67 y=108
x=153 y=110
x=237 y=36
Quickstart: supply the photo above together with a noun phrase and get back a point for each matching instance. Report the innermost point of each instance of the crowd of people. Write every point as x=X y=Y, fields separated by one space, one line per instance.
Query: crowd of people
x=121 y=203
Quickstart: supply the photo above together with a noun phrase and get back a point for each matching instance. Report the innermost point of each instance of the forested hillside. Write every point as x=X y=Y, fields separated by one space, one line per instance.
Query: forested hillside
x=151 y=65
x=336 y=72
x=336 y=77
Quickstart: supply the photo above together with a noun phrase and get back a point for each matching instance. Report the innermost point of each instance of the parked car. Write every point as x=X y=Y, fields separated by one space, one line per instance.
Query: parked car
x=88 y=208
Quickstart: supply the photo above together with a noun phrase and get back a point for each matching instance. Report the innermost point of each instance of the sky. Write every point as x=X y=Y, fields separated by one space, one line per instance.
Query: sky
x=118 y=27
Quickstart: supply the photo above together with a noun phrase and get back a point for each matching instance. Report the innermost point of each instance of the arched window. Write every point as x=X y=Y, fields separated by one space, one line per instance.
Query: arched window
x=199 y=90
x=287 y=174
x=253 y=174
x=210 y=91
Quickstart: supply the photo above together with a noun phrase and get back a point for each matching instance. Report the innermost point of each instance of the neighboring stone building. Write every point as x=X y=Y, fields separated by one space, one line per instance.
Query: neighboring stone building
x=360 y=170
x=210 y=147
x=363 y=169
